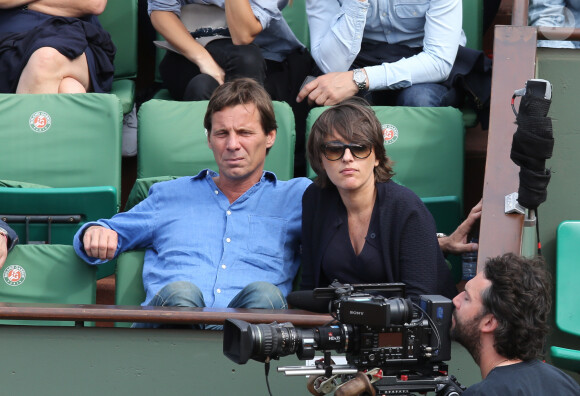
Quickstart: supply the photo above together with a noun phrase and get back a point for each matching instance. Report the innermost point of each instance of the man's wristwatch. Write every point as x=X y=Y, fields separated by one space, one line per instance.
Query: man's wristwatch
x=360 y=79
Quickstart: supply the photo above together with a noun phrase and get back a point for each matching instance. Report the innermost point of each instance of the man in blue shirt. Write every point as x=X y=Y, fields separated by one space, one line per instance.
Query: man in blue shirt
x=217 y=240
x=405 y=49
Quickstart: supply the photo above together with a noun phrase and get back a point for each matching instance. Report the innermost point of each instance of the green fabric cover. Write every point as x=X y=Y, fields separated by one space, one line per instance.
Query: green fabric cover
x=140 y=189
x=19 y=184
x=172 y=140
x=53 y=274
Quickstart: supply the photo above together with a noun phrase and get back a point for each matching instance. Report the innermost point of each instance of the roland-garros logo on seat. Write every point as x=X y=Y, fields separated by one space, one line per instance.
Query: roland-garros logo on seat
x=390 y=133
x=14 y=275
x=40 y=121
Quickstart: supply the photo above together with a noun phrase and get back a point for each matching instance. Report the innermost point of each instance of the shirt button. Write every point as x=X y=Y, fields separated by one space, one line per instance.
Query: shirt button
x=223 y=266
x=228 y=212
x=384 y=14
x=228 y=240
x=219 y=290
x=373 y=235
x=216 y=192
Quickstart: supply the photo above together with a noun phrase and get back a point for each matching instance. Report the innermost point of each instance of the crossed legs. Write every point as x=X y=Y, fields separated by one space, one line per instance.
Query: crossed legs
x=48 y=71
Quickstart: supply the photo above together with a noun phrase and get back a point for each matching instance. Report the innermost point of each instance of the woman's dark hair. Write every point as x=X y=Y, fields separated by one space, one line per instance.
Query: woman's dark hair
x=355 y=121
x=520 y=299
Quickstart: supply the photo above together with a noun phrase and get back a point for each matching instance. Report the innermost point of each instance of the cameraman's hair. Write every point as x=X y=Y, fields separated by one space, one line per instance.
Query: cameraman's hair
x=241 y=91
x=520 y=299
x=356 y=122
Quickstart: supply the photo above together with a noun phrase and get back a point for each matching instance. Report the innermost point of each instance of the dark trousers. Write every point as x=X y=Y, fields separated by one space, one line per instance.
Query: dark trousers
x=186 y=82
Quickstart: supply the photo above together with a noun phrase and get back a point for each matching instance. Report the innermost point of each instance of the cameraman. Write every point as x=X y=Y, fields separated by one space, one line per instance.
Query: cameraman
x=501 y=319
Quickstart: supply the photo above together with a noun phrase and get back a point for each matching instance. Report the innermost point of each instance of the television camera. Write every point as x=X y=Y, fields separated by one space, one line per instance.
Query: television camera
x=392 y=346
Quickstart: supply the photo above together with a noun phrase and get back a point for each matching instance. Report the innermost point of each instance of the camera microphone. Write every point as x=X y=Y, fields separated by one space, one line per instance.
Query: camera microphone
x=305 y=299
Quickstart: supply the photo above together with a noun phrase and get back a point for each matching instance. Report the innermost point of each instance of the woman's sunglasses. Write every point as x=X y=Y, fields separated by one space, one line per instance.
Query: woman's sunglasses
x=335 y=150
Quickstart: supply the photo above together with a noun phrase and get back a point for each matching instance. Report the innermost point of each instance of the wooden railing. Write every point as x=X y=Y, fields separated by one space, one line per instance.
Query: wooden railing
x=171 y=315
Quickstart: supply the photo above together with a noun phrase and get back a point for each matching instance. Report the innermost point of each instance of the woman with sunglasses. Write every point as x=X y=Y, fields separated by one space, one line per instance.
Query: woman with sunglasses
x=359 y=226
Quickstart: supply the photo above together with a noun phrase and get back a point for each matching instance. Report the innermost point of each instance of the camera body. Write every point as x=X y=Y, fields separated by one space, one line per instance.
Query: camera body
x=371 y=330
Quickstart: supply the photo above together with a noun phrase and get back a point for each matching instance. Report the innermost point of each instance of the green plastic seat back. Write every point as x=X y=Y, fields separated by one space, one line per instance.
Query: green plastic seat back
x=77 y=153
x=46 y=274
x=295 y=15
x=129 y=280
x=172 y=140
x=79 y=147
x=473 y=23
x=568 y=277
x=120 y=20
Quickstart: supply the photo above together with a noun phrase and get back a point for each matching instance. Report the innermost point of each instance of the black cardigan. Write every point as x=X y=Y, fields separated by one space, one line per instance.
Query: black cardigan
x=411 y=252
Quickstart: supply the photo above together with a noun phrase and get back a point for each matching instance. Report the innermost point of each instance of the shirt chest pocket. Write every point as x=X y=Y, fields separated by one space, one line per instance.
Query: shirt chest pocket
x=267 y=236
x=411 y=14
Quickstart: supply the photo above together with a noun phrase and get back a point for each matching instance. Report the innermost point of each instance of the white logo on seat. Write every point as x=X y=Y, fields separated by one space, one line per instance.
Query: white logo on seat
x=39 y=122
x=390 y=133
x=14 y=275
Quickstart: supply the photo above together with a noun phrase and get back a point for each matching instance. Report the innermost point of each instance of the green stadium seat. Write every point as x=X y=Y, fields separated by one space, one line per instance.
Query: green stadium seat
x=567 y=278
x=473 y=23
x=71 y=144
x=129 y=280
x=295 y=15
x=120 y=20
x=46 y=274
x=426 y=144
x=172 y=141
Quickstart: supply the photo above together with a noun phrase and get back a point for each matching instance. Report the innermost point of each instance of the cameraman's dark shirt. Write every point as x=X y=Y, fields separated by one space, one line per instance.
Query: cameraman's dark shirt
x=528 y=378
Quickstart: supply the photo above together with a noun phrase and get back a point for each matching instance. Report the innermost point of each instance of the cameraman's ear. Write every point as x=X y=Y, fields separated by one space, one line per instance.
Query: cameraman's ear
x=488 y=323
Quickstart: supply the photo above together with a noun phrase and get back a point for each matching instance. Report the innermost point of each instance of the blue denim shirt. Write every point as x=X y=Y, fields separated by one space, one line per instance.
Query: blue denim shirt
x=337 y=28
x=276 y=39
x=192 y=233
x=560 y=13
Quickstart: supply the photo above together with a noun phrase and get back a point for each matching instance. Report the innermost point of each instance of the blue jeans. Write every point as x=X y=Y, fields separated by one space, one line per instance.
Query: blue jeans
x=185 y=294
x=418 y=95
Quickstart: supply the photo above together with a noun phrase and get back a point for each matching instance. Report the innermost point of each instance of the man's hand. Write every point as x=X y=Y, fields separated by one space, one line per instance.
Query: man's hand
x=210 y=66
x=329 y=89
x=100 y=242
x=456 y=243
x=3 y=249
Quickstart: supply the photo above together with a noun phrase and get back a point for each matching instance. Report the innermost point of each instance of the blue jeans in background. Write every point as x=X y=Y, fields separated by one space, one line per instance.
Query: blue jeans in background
x=185 y=294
